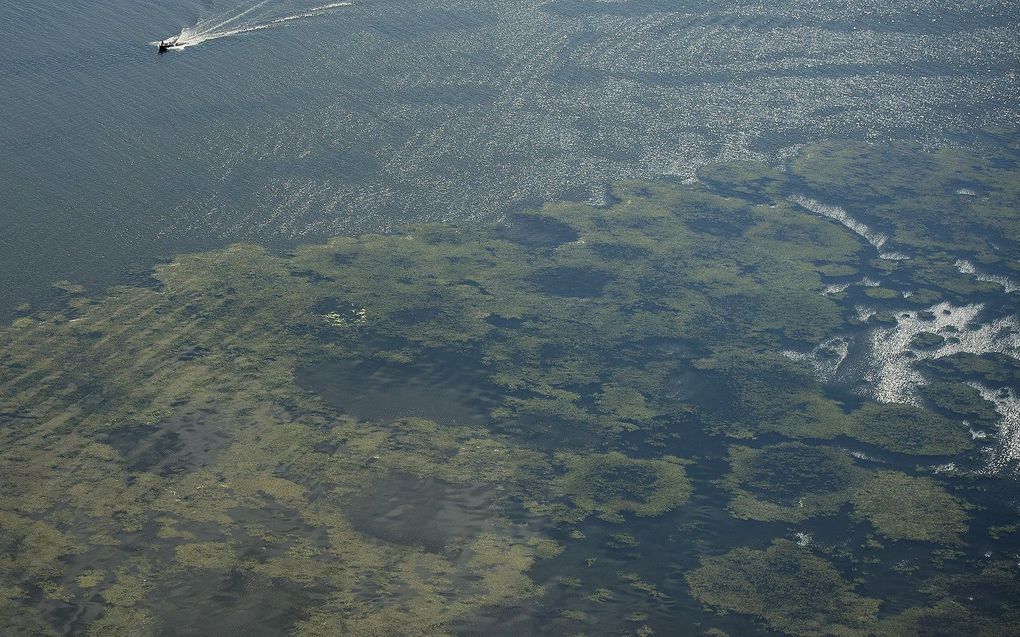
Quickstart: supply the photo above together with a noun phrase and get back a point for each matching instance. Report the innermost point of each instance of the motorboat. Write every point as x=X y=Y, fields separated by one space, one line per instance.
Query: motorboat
x=166 y=45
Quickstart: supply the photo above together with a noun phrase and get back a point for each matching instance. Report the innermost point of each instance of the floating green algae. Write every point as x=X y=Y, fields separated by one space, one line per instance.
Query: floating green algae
x=395 y=434
x=929 y=201
x=993 y=368
x=982 y=602
x=908 y=508
x=927 y=340
x=749 y=393
x=790 y=481
x=908 y=429
x=795 y=482
x=960 y=400
x=612 y=484
x=792 y=590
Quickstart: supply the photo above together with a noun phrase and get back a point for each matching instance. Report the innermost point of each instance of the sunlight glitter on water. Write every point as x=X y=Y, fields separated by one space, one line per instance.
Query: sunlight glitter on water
x=825 y=358
x=876 y=239
x=1007 y=404
x=893 y=377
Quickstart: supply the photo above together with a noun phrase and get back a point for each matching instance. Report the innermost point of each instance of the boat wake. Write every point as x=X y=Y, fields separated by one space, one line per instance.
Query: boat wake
x=241 y=21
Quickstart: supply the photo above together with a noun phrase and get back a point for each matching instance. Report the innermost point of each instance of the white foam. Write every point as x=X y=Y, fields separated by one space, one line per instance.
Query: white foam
x=975 y=434
x=864 y=313
x=835 y=288
x=894 y=256
x=860 y=455
x=890 y=367
x=876 y=239
x=865 y=282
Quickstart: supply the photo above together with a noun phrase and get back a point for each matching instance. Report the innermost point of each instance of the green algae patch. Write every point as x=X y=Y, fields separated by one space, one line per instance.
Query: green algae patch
x=625 y=403
x=612 y=484
x=211 y=555
x=790 y=481
x=960 y=400
x=944 y=618
x=881 y=294
x=908 y=429
x=998 y=370
x=983 y=602
x=786 y=586
x=745 y=394
x=90 y=578
x=919 y=200
x=927 y=340
x=751 y=180
x=30 y=548
x=123 y=622
x=789 y=470
x=794 y=482
x=20 y=619
x=903 y=507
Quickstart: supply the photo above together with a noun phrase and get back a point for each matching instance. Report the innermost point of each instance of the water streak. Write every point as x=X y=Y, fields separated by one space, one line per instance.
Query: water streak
x=876 y=239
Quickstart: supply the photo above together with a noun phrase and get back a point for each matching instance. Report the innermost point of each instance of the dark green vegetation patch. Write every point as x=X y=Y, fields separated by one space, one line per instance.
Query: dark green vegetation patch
x=907 y=429
x=795 y=482
x=612 y=484
x=788 y=587
x=788 y=471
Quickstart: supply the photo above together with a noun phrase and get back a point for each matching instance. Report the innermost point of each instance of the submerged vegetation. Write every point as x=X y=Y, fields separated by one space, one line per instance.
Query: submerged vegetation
x=794 y=482
x=791 y=589
x=397 y=434
x=612 y=484
x=908 y=429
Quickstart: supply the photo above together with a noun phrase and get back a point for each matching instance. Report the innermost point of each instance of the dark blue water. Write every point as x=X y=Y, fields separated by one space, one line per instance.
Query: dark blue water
x=396 y=110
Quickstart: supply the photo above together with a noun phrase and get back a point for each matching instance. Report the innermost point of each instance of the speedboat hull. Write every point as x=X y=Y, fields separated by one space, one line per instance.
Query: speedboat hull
x=166 y=45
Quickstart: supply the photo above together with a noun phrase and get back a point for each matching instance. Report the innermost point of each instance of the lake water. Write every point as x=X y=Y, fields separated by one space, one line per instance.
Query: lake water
x=407 y=317
x=391 y=111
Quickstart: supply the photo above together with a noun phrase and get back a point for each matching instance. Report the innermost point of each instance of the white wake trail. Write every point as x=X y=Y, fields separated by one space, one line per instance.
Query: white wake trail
x=200 y=28
x=203 y=31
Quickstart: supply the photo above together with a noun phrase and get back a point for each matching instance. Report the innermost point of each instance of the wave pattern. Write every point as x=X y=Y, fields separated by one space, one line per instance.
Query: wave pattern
x=470 y=108
x=417 y=110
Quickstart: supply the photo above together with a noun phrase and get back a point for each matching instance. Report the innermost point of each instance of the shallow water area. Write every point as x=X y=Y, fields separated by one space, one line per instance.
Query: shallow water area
x=415 y=511
x=441 y=388
x=236 y=604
